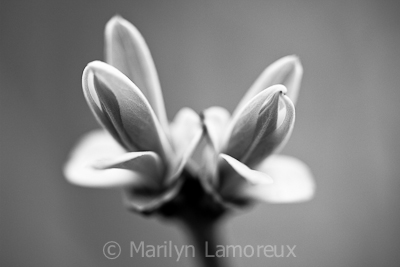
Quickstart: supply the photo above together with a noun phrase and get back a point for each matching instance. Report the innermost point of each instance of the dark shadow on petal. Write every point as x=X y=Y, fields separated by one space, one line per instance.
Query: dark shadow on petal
x=110 y=106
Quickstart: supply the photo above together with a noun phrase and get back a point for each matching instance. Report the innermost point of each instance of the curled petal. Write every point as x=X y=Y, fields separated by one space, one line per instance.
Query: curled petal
x=215 y=120
x=126 y=50
x=293 y=181
x=282 y=134
x=95 y=106
x=126 y=108
x=287 y=71
x=99 y=161
x=183 y=129
x=266 y=142
x=257 y=119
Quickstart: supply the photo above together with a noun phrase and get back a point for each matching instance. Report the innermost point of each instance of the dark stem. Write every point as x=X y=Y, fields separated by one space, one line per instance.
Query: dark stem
x=205 y=236
x=200 y=216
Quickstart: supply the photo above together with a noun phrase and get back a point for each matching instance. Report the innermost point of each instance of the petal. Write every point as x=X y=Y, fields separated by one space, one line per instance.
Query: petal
x=146 y=200
x=99 y=161
x=183 y=129
x=265 y=141
x=293 y=181
x=126 y=50
x=147 y=164
x=209 y=172
x=255 y=120
x=182 y=159
x=251 y=176
x=287 y=71
x=234 y=176
x=215 y=120
x=95 y=106
x=126 y=108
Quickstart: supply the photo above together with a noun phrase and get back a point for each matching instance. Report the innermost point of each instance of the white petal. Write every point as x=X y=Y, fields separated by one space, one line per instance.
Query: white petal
x=285 y=129
x=95 y=106
x=183 y=158
x=183 y=129
x=293 y=181
x=251 y=118
x=127 y=50
x=127 y=109
x=267 y=142
x=287 y=71
x=216 y=120
x=97 y=151
x=252 y=176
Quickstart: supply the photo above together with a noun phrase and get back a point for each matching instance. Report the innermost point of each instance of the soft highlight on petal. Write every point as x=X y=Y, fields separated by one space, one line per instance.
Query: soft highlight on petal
x=147 y=164
x=183 y=129
x=126 y=49
x=287 y=71
x=96 y=147
x=293 y=181
x=258 y=116
x=215 y=120
x=266 y=141
x=127 y=109
x=252 y=176
x=181 y=160
x=282 y=134
x=95 y=106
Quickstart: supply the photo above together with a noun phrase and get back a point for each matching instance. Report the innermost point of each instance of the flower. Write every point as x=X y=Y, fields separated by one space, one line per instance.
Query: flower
x=138 y=150
x=238 y=162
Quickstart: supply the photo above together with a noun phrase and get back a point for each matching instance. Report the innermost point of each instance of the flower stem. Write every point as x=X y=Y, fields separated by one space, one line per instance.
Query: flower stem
x=200 y=215
x=204 y=235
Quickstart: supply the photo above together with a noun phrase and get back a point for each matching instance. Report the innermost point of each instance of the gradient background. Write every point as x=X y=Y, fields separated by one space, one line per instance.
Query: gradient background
x=207 y=53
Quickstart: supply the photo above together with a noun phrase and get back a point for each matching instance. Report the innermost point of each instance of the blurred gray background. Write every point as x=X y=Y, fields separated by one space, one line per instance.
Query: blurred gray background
x=207 y=53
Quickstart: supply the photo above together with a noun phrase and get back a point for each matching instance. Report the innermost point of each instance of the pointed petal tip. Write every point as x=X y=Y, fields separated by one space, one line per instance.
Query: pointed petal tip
x=277 y=88
x=290 y=59
x=93 y=66
x=117 y=16
x=100 y=68
x=115 y=21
